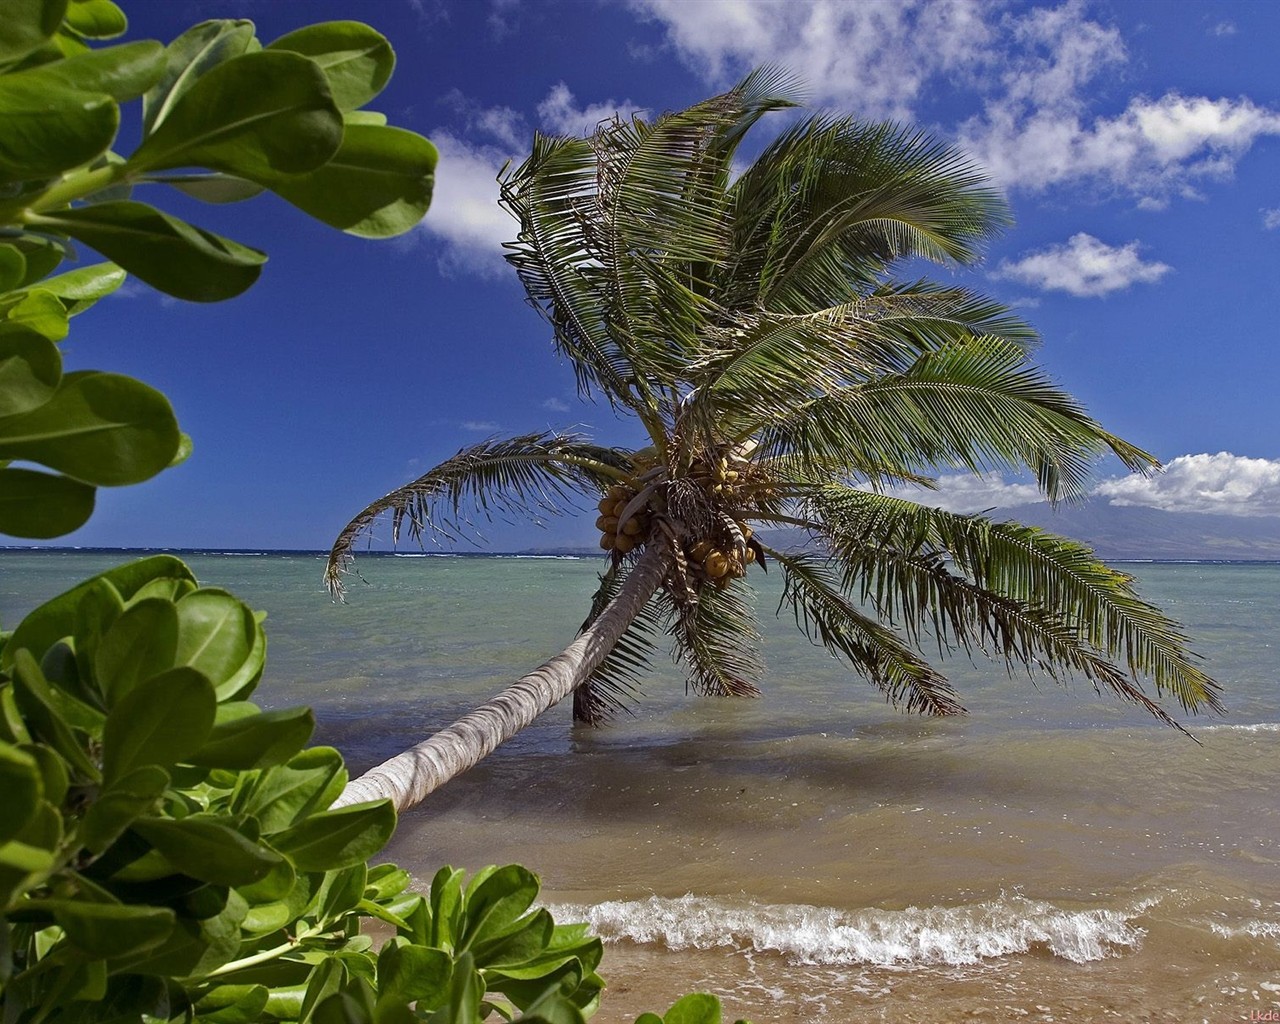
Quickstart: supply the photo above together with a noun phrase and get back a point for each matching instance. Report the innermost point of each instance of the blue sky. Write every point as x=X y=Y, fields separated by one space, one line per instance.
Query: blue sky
x=1139 y=144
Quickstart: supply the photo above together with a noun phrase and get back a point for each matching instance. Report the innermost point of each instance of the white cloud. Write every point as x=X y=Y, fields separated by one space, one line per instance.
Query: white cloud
x=556 y=405
x=479 y=426
x=965 y=492
x=560 y=114
x=503 y=125
x=464 y=209
x=1271 y=219
x=1083 y=266
x=1223 y=483
x=1224 y=28
x=1031 y=70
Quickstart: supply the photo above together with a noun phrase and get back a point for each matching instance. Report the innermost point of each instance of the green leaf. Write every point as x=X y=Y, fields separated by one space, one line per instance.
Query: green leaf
x=336 y=839
x=54 y=780
x=232 y=1004
x=169 y=254
x=466 y=989
x=140 y=644
x=39 y=506
x=42 y=255
x=287 y=793
x=695 y=1008
x=205 y=848
x=219 y=636
x=23 y=790
x=96 y=19
x=122 y=72
x=60 y=617
x=409 y=974
x=258 y=741
x=356 y=60
x=13 y=268
x=211 y=188
x=495 y=901
x=80 y=288
x=257 y=116
x=49 y=127
x=28 y=24
x=377 y=185
x=159 y=722
x=111 y=929
x=35 y=701
x=30 y=369
x=35 y=310
x=198 y=49
x=120 y=804
x=100 y=428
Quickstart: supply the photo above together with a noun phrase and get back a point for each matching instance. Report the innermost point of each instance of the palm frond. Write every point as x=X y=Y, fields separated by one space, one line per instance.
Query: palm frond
x=717 y=641
x=615 y=683
x=1037 y=598
x=525 y=475
x=827 y=617
x=976 y=405
x=832 y=203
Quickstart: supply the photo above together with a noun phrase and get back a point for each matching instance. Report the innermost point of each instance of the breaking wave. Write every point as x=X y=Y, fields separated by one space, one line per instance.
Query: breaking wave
x=965 y=934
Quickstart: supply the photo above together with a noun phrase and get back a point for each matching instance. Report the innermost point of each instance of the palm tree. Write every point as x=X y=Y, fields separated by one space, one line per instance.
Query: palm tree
x=785 y=379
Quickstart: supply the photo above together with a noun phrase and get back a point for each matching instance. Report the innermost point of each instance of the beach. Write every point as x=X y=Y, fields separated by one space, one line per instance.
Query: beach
x=814 y=854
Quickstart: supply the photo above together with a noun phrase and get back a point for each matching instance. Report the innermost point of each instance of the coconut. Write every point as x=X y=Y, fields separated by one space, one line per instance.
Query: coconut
x=607 y=541
x=623 y=543
x=633 y=527
x=716 y=565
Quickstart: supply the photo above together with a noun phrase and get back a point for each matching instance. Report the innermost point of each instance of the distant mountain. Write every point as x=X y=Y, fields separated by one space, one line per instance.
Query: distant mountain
x=1122 y=531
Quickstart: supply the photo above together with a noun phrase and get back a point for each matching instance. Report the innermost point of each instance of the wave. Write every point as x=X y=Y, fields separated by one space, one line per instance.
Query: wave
x=965 y=934
x=1254 y=727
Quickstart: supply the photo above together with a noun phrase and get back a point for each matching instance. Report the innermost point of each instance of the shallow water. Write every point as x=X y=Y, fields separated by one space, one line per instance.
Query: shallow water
x=814 y=855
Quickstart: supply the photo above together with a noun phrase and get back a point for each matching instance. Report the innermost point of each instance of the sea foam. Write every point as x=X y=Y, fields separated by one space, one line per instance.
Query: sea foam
x=955 y=935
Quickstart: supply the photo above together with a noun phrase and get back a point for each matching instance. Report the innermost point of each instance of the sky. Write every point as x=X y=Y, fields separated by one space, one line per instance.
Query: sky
x=1138 y=145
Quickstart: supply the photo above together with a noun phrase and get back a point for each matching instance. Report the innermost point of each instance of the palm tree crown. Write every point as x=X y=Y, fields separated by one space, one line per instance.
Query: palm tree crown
x=751 y=322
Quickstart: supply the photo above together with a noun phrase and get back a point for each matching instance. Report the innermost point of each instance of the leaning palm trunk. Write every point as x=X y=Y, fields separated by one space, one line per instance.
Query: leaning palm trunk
x=409 y=777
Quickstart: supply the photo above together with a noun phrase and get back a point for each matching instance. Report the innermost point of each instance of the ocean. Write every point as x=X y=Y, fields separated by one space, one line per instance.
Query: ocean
x=814 y=855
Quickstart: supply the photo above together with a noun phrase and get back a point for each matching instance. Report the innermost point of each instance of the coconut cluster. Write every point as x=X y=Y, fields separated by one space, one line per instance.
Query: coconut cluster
x=722 y=562
x=618 y=531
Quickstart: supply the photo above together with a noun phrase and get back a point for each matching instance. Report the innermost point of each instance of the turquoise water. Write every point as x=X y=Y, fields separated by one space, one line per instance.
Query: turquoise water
x=815 y=855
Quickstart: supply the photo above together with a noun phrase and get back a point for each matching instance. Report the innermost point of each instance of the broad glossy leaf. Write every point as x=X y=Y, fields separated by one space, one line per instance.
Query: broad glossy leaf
x=23 y=790
x=257 y=741
x=372 y=117
x=35 y=701
x=27 y=24
x=40 y=506
x=141 y=643
x=207 y=935
x=111 y=929
x=30 y=369
x=49 y=127
x=54 y=778
x=219 y=636
x=159 y=722
x=337 y=839
x=122 y=72
x=466 y=990
x=120 y=804
x=60 y=616
x=198 y=49
x=13 y=268
x=96 y=19
x=34 y=310
x=232 y=1004
x=80 y=288
x=207 y=849
x=42 y=255
x=185 y=448
x=497 y=901
x=409 y=974
x=695 y=1008
x=356 y=60
x=310 y=782
x=256 y=116
x=211 y=188
x=167 y=253
x=377 y=185
x=101 y=428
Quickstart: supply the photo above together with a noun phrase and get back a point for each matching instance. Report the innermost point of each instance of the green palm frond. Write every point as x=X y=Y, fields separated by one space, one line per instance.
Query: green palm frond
x=717 y=641
x=615 y=683
x=832 y=203
x=1036 y=597
x=828 y=617
x=976 y=405
x=525 y=475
